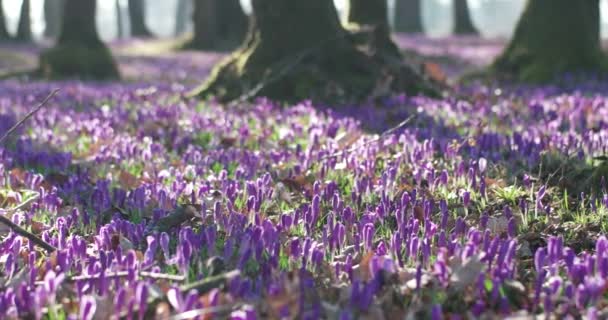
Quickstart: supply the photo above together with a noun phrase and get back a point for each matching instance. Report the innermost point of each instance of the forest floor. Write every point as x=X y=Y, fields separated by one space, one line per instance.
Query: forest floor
x=490 y=202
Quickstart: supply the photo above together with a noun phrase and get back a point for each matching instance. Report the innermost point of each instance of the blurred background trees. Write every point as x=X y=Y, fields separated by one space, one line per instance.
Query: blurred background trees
x=137 y=17
x=4 y=35
x=168 y=18
x=24 y=29
x=53 y=10
x=78 y=52
x=463 y=24
x=552 y=36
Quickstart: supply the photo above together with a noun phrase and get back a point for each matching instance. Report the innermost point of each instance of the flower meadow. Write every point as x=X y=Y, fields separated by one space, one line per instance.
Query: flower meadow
x=489 y=203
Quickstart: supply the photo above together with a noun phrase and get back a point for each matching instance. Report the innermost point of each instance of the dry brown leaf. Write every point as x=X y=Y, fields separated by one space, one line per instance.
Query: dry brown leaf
x=434 y=71
x=128 y=181
x=18 y=177
x=364 y=266
x=37 y=227
x=298 y=183
x=419 y=214
x=227 y=142
x=54 y=179
x=495 y=182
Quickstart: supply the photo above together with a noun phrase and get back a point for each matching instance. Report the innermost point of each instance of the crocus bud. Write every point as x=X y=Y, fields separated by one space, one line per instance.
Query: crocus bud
x=482 y=164
x=88 y=307
x=466 y=198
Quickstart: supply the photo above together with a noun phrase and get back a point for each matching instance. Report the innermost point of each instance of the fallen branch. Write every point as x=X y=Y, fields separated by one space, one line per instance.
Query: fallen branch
x=122 y=274
x=26 y=234
x=4 y=220
x=207 y=284
x=27 y=116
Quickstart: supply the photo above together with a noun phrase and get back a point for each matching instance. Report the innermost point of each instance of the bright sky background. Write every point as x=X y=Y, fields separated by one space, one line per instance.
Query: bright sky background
x=498 y=22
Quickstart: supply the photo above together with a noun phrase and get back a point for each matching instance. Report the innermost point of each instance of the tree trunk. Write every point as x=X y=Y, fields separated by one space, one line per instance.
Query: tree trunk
x=24 y=29
x=463 y=24
x=553 y=37
x=232 y=20
x=184 y=7
x=4 y=35
x=205 y=25
x=218 y=24
x=137 y=16
x=373 y=14
x=408 y=16
x=298 y=50
x=79 y=51
x=120 y=24
x=52 y=17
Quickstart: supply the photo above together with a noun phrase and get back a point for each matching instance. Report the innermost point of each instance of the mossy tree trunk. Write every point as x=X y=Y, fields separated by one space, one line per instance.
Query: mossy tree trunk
x=24 y=29
x=79 y=51
x=137 y=17
x=52 y=17
x=181 y=16
x=408 y=16
x=463 y=24
x=205 y=25
x=232 y=22
x=553 y=37
x=4 y=35
x=299 y=50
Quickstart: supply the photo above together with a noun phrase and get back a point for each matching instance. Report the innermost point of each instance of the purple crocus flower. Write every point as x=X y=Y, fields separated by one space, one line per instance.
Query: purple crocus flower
x=88 y=306
x=466 y=199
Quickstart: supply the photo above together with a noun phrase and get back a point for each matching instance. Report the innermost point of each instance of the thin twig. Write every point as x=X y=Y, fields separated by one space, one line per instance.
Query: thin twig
x=3 y=219
x=27 y=116
x=24 y=233
x=122 y=274
x=206 y=311
x=372 y=141
x=24 y=203
x=205 y=285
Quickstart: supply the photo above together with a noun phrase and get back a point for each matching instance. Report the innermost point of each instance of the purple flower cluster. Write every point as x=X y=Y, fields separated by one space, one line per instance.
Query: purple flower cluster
x=298 y=211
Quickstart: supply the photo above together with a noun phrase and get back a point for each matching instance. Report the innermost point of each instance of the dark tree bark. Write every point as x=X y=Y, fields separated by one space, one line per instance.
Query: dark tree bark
x=137 y=16
x=373 y=14
x=24 y=29
x=408 y=16
x=52 y=17
x=554 y=37
x=4 y=35
x=299 y=50
x=232 y=22
x=218 y=24
x=205 y=25
x=463 y=24
x=120 y=24
x=79 y=51
x=184 y=8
